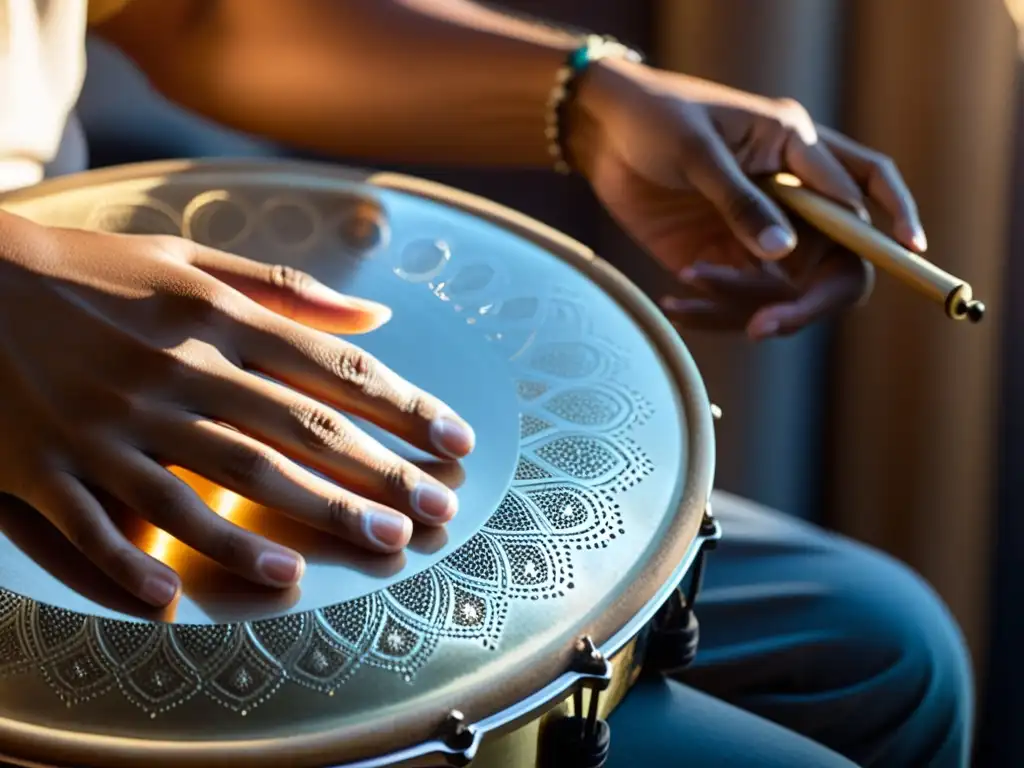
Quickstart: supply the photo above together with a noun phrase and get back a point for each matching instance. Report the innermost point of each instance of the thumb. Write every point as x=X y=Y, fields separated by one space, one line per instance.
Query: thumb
x=292 y=293
x=750 y=214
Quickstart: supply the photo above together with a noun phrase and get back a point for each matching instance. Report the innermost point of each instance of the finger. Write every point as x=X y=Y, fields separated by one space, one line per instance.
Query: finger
x=291 y=292
x=833 y=290
x=702 y=314
x=263 y=475
x=343 y=375
x=744 y=285
x=171 y=505
x=750 y=214
x=318 y=436
x=816 y=167
x=76 y=513
x=882 y=181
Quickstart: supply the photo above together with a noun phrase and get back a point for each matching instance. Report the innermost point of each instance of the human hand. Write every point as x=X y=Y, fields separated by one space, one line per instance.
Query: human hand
x=122 y=355
x=672 y=158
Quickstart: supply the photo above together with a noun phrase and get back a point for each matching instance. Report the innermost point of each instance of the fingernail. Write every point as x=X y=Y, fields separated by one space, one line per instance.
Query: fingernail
x=388 y=530
x=766 y=328
x=321 y=294
x=688 y=274
x=914 y=233
x=776 y=241
x=159 y=591
x=452 y=437
x=435 y=502
x=282 y=568
x=919 y=240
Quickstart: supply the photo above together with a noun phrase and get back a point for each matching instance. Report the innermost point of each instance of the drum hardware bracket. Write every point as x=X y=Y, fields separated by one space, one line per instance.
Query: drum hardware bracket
x=675 y=637
x=582 y=741
x=716 y=412
x=460 y=739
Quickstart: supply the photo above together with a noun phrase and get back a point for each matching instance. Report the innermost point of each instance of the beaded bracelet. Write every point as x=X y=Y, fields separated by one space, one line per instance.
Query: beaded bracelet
x=594 y=48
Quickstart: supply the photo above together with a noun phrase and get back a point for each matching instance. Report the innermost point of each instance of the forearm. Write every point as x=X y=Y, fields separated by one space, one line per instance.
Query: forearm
x=417 y=81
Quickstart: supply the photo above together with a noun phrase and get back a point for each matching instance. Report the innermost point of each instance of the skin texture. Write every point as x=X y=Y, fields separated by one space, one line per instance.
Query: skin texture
x=160 y=339
x=159 y=342
x=670 y=156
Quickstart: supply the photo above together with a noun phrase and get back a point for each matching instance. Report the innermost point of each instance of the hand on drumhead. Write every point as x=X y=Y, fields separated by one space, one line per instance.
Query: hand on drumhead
x=123 y=355
x=672 y=158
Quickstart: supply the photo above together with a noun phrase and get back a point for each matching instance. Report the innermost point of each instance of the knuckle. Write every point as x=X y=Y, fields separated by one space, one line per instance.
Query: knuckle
x=160 y=500
x=289 y=278
x=246 y=465
x=229 y=546
x=343 y=514
x=791 y=111
x=885 y=167
x=321 y=430
x=400 y=477
x=794 y=116
x=203 y=306
x=352 y=366
x=168 y=370
x=696 y=142
x=746 y=207
x=171 y=247
x=119 y=564
x=84 y=536
x=420 y=406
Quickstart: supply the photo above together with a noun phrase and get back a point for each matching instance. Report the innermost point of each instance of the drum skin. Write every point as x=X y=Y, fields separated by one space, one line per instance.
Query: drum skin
x=580 y=510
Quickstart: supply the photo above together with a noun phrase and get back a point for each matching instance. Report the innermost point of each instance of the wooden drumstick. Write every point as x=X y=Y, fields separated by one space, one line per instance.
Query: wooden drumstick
x=847 y=229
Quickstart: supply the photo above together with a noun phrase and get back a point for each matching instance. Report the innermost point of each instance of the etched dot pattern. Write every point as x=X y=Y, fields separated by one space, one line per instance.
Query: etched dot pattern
x=587 y=408
x=562 y=501
x=531 y=425
x=583 y=458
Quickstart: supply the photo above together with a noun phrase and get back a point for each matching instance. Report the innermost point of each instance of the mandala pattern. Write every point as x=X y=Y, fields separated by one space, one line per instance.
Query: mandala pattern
x=576 y=459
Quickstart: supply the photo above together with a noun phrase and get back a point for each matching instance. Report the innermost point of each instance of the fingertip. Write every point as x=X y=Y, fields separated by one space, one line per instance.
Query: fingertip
x=669 y=304
x=374 y=315
x=381 y=313
x=387 y=530
x=360 y=313
x=434 y=503
x=775 y=242
x=762 y=327
x=451 y=436
x=281 y=567
x=688 y=274
x=912 y=235
x=920 y=242
x=160 y=589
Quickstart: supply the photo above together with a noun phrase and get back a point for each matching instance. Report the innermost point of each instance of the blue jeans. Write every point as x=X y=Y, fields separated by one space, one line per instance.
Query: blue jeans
x=814 y=651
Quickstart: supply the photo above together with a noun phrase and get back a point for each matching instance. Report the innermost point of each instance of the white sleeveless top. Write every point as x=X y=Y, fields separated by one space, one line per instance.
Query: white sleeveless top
x=42 y=66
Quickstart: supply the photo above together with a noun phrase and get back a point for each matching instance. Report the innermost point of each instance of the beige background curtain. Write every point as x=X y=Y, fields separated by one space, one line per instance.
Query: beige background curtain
x=911 y=451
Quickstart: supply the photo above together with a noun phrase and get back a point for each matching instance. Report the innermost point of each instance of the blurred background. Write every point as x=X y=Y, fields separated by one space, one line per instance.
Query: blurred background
x=894 y=426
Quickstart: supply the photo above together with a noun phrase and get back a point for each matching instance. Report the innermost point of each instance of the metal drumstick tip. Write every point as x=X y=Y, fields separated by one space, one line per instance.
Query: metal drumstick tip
x=847 y=229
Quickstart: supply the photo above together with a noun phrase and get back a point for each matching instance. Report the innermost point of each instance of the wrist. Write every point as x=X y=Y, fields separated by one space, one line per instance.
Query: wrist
x=587 y=115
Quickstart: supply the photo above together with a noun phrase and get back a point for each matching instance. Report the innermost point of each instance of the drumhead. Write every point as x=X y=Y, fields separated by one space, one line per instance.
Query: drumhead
x=593 y=466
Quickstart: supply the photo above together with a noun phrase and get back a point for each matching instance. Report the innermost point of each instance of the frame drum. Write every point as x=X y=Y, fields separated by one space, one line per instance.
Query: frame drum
x=582 y=509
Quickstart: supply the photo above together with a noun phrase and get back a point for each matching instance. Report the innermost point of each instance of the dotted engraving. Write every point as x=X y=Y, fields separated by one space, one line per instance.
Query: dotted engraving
x=575 y=460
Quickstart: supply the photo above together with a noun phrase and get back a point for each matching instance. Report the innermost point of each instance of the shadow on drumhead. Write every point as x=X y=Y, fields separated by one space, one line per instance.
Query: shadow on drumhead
x=28 y=532
x=343 y=239
x=221 y=595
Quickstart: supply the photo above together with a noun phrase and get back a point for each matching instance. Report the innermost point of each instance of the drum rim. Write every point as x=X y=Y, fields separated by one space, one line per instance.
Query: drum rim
x=639 y=600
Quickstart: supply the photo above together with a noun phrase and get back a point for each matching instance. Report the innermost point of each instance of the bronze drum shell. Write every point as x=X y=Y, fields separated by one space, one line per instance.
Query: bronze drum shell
x=595 y=521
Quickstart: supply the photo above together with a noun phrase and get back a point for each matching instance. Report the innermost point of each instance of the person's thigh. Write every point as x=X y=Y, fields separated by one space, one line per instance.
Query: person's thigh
x=662 y=723
x=831 y=639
